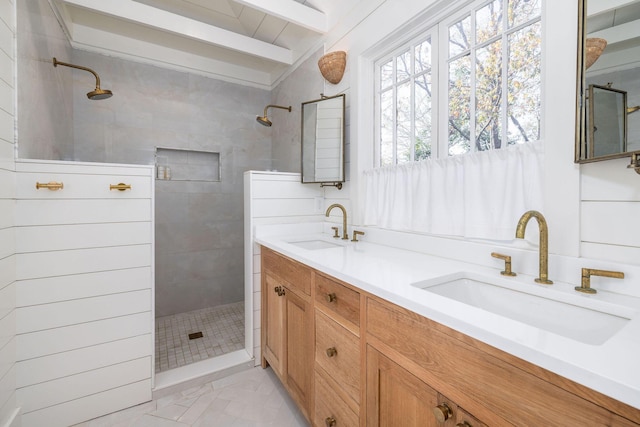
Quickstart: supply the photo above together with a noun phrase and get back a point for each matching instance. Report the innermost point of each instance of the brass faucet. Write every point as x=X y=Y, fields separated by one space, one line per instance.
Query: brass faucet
x=544 y=242
x=586 y=278
x=345 y=233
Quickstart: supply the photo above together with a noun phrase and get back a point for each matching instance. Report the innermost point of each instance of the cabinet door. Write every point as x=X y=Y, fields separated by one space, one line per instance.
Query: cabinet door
x=273 y=324
x=299 y=359
x=395 y=397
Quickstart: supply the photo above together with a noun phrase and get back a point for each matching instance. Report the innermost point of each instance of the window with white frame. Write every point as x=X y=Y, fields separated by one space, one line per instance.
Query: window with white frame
x=470 y=83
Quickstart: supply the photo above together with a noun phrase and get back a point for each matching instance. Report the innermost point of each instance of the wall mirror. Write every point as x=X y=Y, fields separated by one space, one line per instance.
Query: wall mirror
x=323 y=140
x=608 y=118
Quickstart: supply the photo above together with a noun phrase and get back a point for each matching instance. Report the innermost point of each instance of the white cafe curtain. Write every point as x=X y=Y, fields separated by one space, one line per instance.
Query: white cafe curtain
x=480 y=195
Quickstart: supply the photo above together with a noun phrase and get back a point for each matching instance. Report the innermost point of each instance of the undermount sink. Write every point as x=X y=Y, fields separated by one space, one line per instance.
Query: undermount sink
x=565 y=315
x=315 y=244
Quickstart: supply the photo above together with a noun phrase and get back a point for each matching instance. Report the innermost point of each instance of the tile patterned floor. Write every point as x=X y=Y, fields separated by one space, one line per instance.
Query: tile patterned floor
x=222 y=328
x=252 y=398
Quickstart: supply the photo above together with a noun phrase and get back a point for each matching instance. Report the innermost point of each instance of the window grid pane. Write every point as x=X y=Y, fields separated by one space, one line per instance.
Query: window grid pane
x=403 y=123
x=521 y=11
x=489 y=97
x=524 y=80
x=488 y=21
x=403 y=66
x=422 y=107
x=386 y=128
x=386 y=75
x=459 y=105
x=459 y=37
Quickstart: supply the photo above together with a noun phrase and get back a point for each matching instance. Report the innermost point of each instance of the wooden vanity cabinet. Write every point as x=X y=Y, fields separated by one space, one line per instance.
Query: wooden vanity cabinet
x=287 y=325
x=496 y=387
x=351 y=359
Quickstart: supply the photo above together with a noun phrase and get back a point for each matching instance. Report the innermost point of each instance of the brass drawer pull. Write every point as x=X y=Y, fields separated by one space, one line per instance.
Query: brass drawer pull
x=330 y=422
x=120 y=186
x=442 y=412
x=53 y=186
x=331 y=297
x=331 y=352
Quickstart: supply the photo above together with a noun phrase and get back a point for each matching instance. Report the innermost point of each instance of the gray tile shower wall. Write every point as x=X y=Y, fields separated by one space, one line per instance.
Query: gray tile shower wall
x=198 y=223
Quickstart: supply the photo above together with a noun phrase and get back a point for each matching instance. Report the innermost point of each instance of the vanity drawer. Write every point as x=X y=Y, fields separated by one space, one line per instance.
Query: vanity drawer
x=338 y=298
x=329 y=406
x=295 y=274
x=338 y=353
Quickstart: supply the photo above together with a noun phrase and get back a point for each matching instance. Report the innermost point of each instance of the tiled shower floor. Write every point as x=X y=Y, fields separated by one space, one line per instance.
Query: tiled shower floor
x=222 y=328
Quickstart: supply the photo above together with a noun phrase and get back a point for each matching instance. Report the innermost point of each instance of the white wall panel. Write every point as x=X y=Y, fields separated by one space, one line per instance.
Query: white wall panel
x=55 y=315
x=7 y=189
x=6 y=213
x=42 y=395
x=610 y=180
x=609 y=222
x=54 y=289
x=615 y=253
x=81 y=168
x=7 y=328
x=61 y=237
x=76 y=411
x=47 y=368
x=59 y=263
x=52 y=212
x=7 y=299
x=42 y=343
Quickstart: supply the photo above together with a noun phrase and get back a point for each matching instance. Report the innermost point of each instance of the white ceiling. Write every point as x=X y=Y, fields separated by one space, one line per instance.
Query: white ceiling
x=250 y=42
x=617 y=21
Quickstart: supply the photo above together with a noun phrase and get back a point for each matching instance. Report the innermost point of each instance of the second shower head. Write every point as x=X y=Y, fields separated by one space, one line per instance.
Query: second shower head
x=264 y=120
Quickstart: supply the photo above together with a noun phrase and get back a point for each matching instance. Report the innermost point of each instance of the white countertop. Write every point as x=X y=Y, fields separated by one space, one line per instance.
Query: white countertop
x=610 y=368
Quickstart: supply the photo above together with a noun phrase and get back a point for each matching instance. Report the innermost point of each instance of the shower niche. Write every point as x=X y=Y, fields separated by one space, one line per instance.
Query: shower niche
x=177 y=164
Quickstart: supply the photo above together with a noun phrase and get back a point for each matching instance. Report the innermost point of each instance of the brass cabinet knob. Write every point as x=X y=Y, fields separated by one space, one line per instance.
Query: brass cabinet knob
x=331 y=352
x=331 y=297
x=279 y=290
x=330 y=422
x=442 y=412
x=464 y=424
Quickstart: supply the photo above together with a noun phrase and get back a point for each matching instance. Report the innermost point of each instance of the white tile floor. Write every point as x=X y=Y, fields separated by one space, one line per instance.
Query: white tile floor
x=252 y=398
x=222 y=328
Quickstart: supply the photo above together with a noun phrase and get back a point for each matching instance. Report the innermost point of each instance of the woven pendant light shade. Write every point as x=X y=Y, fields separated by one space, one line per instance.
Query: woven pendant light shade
x=332 y=66
x=594 y=48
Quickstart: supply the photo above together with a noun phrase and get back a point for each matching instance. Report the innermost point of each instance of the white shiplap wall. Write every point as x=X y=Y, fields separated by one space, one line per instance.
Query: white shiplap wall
x=272 y=198
x=8 y=406
x=610 y=208
x=84 y=290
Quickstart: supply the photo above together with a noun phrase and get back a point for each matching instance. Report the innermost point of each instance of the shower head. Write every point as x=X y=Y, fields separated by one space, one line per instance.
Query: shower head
x=264 y=120
x=95 y=94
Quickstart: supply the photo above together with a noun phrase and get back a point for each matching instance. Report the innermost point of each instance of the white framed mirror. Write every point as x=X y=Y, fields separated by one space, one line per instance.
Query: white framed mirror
x=323 y=140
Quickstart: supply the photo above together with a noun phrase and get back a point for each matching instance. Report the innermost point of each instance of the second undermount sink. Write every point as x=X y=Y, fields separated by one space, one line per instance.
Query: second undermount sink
x=566 y=315
x=314 y=244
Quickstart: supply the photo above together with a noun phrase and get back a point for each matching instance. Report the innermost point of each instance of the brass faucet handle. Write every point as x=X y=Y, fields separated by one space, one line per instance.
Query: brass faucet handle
x=507 y=263
x=357 y=233
x=335 y=232
x=586 y=278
